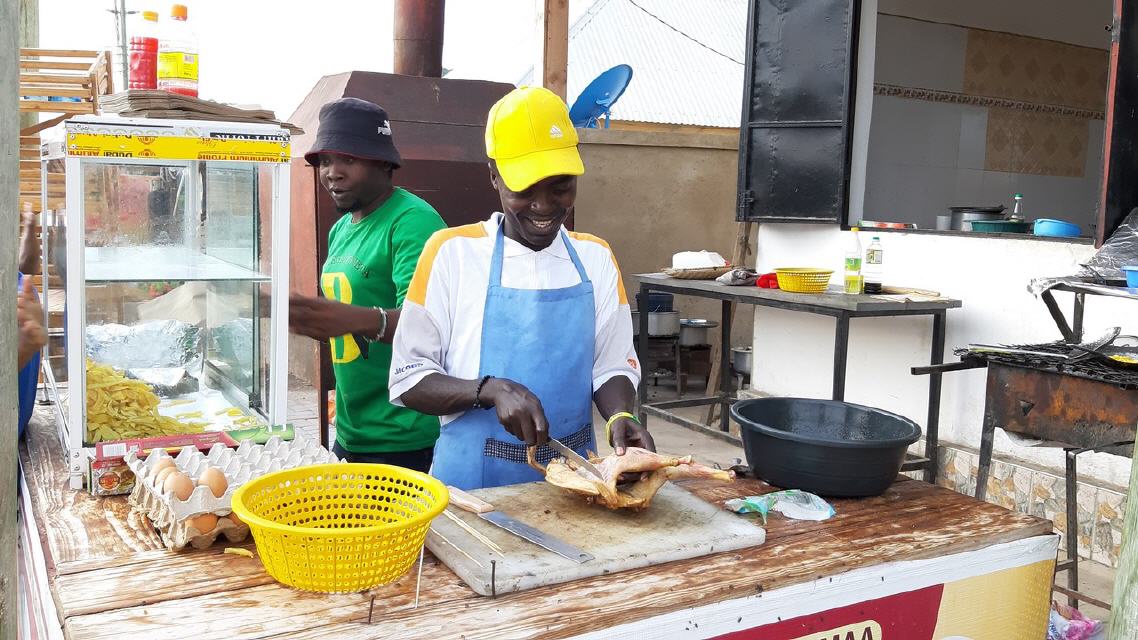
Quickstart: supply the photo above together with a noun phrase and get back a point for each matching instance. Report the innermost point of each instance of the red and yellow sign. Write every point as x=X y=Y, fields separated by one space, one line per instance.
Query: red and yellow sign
x=214 y=146
x=959 y=610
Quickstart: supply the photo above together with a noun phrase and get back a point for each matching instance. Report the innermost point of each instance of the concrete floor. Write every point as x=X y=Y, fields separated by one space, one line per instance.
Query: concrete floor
x=1096 y=580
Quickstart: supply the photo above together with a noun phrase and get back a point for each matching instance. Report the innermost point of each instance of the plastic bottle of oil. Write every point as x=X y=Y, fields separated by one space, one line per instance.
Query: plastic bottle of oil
x=853 y=264
x=874 y=266
x=178 y=55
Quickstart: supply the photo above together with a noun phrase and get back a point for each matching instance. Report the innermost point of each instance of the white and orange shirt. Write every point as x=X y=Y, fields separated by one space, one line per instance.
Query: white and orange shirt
x=440 y=327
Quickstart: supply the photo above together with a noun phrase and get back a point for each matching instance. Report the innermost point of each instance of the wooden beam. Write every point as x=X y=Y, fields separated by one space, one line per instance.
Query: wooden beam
x=57 y=53
x=554 y=64
x=55 y=64
x=55 y=78
x=1124 y=609
x=29 y=30
x=35 y=129
x=56 y=107
x=9 y=200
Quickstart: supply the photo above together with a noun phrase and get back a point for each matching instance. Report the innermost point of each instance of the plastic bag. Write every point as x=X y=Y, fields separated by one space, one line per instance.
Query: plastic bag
x=792 y=503
x=738 y=277
x=1120 y=250
x=1070 y=624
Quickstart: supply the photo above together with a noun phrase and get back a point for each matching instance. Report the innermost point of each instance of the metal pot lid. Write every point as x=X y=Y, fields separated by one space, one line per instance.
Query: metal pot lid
x=999 y=208
x=698 y=323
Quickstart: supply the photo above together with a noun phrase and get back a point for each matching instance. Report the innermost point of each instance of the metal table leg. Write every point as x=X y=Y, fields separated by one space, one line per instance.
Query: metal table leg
x=725 y=366
x=987 y=438
x=1057 y=316
x=841 y=352
x=679 y=374
x=1072 y=537
x=642 y=352
x=932 y=426
x=1077 y=322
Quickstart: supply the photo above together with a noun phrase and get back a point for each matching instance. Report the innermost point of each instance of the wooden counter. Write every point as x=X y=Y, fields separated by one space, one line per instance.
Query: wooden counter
x=110 y=577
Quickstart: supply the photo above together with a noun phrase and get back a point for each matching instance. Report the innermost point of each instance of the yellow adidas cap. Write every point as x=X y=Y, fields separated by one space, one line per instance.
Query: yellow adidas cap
x=530 y=137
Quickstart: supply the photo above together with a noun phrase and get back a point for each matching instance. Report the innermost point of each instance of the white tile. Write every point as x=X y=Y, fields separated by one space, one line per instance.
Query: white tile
x=968 y=186
x=973 y=137
x=939 y=64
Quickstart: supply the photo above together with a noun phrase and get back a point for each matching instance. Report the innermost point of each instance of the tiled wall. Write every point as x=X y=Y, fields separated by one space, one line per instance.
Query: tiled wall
x=979 y=116
x=1043 y=494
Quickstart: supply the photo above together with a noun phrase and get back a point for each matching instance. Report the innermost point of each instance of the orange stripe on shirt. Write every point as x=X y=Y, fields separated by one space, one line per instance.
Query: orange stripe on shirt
x=417 y=290
x=588 y=237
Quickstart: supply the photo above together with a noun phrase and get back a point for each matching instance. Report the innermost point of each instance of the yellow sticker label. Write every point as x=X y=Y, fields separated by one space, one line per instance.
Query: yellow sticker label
x=178 y=65
x=230 y=147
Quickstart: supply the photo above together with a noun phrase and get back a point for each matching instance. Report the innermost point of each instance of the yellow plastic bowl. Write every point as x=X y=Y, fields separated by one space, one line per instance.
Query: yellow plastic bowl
x=803 y=279
x=340 y=528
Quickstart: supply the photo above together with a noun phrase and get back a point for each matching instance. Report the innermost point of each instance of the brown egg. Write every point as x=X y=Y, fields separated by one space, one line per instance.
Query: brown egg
x=234 y=519
x=165 y=463
x=204 y=523
x=160 y=476
x=179 y=484
x=213 y=478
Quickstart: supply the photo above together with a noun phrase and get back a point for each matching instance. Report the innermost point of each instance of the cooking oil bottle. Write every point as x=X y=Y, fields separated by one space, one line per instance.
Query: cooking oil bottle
x=853 y=264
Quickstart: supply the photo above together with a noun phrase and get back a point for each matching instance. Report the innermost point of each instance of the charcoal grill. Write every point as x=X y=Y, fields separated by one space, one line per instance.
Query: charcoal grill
x=1088 y=404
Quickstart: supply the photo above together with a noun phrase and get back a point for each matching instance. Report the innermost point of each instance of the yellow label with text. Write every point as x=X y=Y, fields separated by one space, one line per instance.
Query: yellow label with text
x=178 y=65
x=337 y=287
x=209 y=146
x=868 y=630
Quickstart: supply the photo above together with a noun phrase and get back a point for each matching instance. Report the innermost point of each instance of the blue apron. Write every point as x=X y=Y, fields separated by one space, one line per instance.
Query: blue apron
x=543 y=339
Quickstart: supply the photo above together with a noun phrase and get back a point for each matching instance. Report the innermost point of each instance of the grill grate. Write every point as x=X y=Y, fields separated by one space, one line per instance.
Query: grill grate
x=1092 y=368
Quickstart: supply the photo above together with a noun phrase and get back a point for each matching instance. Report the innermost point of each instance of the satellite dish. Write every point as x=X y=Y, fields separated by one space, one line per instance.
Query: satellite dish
x=599 y=97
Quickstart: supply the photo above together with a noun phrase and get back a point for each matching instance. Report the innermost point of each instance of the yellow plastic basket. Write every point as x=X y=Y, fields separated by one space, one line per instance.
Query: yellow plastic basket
x=803 y=279
x=340 y=528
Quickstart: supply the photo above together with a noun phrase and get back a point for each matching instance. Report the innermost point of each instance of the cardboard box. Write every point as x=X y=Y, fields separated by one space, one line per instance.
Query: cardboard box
x=108 y=474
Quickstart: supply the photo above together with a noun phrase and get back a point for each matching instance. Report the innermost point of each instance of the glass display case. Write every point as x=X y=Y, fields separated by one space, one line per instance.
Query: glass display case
x=170 y=261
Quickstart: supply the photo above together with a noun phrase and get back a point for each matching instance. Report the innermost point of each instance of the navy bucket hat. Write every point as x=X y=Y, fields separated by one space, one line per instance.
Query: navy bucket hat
x=356 y=128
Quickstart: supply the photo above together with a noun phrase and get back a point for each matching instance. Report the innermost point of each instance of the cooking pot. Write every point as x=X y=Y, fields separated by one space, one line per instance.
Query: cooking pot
x=695 y=331
x=663 y=323
x=961 y=216
x=741 y=359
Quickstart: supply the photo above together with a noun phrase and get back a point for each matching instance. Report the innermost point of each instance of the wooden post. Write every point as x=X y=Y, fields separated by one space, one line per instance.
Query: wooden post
x=552 y=70
x=738 y=258
x=1124 y=610
x=9 y=217
x=29 y=28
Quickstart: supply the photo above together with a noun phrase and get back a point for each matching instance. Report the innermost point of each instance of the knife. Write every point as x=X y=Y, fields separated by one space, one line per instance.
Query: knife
x=485 y=510
x=575 y=457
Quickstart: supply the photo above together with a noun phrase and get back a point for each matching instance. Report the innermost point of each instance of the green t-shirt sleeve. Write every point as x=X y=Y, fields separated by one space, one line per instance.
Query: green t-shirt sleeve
x=408 y=236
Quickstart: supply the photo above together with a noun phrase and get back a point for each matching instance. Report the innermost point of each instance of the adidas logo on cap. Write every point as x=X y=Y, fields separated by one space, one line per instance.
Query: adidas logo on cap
x=555 y=132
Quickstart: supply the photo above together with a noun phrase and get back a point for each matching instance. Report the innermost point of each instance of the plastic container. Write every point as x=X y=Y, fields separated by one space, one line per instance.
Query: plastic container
x=825 y=447
x=1000 y=226
x=340 y=528
x=178 y=55
x=1131 y=276
x=1056 y=228
x=656 y=302
x=144 y=53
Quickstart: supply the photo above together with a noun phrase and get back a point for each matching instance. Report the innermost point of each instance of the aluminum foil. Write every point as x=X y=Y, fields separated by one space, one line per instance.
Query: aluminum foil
x=160 y=344
x=1120 y=250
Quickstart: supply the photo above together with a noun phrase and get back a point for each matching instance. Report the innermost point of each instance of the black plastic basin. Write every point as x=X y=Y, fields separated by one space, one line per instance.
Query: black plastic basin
x=823 y=446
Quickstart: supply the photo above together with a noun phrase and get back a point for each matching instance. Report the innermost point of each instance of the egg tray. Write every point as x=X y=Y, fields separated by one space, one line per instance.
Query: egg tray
x=239 y=465
x=182 y=534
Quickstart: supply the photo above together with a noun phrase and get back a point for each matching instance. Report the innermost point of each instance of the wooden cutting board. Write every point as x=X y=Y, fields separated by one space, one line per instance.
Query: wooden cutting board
x=677 y=526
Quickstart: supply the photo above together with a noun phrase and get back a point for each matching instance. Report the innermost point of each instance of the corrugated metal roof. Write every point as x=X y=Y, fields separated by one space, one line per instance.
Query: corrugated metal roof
x=686 y=58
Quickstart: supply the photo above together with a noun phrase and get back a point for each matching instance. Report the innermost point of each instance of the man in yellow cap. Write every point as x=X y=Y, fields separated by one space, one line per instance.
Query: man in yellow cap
x=513 y=327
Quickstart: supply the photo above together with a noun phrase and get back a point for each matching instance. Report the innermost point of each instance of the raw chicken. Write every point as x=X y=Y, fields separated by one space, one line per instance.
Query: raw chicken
x=653 y=469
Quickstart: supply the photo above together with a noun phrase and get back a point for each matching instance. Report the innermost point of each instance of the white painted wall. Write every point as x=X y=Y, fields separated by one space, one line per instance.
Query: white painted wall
x=794 y=351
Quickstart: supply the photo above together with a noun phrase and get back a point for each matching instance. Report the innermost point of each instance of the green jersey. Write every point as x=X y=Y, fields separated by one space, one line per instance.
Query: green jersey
x=370 y=264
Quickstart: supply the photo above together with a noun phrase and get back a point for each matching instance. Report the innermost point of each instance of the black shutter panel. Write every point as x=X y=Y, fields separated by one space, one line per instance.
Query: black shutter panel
x=797 y=110
x=1120 y=193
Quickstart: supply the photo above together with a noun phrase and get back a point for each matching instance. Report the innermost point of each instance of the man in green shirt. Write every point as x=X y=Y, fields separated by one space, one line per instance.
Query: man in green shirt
x=372 y=253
